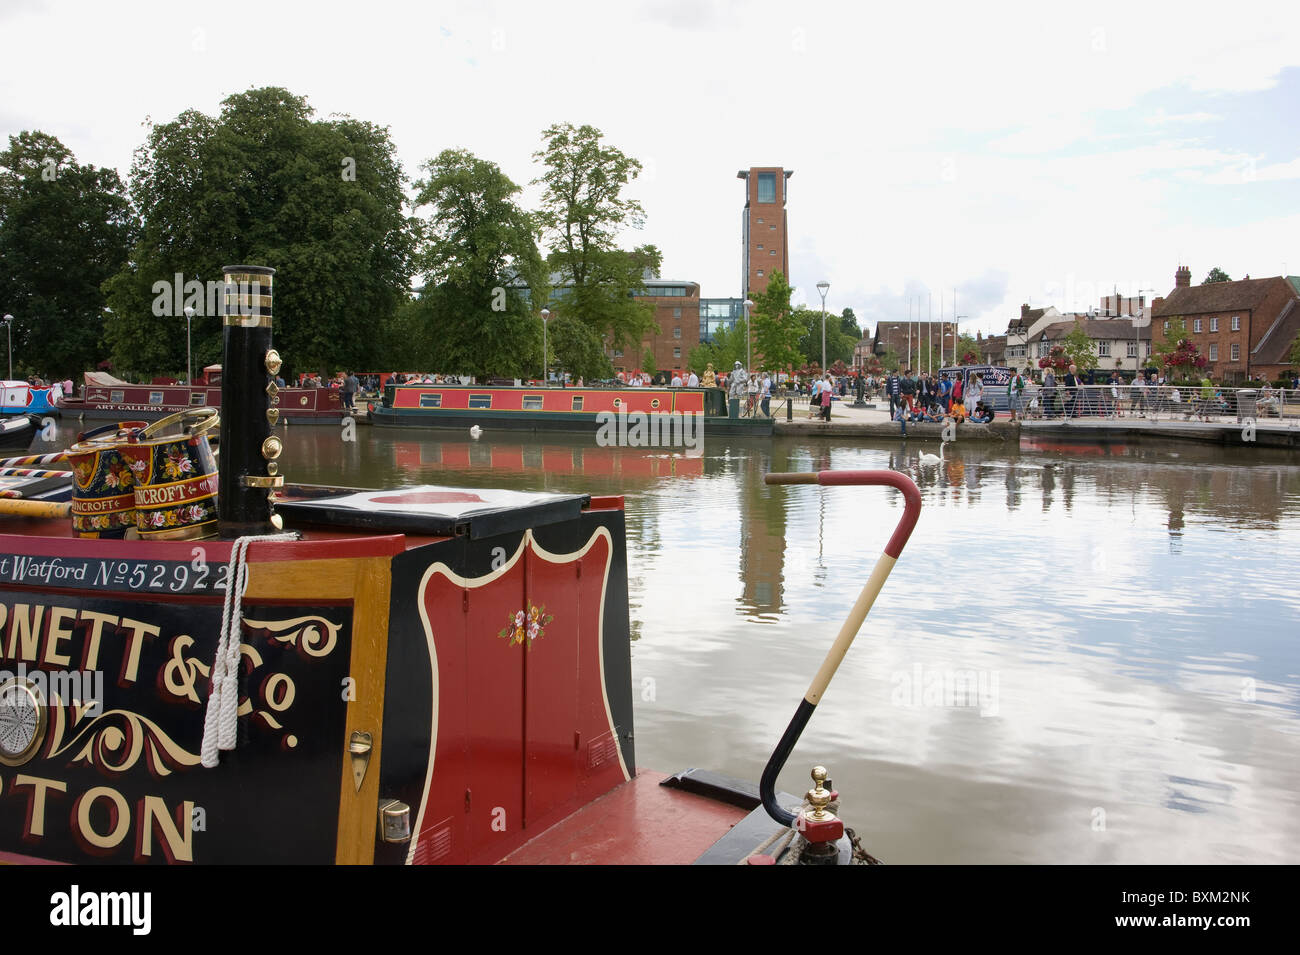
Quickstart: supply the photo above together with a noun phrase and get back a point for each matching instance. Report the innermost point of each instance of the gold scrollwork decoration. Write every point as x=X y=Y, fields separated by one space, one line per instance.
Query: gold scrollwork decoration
x=314 y=636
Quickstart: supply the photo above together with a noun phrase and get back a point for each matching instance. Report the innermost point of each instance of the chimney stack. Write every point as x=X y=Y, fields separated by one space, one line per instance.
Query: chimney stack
x=1024 y=311
x=1183 y=277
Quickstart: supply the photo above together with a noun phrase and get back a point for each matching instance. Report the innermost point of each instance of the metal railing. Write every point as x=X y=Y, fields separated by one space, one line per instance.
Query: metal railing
x=1163 y=403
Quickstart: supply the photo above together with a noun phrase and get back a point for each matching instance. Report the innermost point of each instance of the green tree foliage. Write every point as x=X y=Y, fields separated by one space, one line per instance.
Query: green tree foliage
x=727 y=348
x=1176 y=334
x=577 y=349
x=648 y=365
x=890 y=360
x=582 y=213
x=777 y=327
x=1295 y=352
x=839 y=344
x=64 y=229
x=1216 y=274
x=265 y=183
x=477 y=252
x=967 y=345
x=1079 y=348
x=849 y=325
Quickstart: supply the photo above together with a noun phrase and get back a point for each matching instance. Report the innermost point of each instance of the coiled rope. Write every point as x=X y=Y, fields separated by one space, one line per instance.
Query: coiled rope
x=221 y=718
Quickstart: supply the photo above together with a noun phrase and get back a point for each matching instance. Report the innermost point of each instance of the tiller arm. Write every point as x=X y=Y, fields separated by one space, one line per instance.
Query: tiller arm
x=849 y=630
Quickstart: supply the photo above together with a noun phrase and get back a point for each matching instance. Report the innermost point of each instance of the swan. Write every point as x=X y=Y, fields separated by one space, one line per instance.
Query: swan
x=928 y=458
x=476 y=432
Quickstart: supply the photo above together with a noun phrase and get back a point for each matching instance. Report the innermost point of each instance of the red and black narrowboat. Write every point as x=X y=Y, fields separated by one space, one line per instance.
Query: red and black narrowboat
x=576 y=410
x=422 y=675
x=105 y=397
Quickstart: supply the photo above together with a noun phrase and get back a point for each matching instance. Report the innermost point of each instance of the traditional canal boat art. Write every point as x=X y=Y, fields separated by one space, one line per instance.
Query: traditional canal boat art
x=109 y=398
x=426 y=675
x=21 y=398
x=578 y=410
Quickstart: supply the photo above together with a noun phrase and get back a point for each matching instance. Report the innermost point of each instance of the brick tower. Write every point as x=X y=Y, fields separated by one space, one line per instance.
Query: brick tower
x=764 y=228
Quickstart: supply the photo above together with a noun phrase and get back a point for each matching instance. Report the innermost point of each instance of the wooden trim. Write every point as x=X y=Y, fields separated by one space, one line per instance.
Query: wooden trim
x=358 y=811
x=368 y=582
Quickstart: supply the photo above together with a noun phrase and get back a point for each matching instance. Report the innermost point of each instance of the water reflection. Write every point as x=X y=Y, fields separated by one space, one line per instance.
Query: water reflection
x=1134 y=607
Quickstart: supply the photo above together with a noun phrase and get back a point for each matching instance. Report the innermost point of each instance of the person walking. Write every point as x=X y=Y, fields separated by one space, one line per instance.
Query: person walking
x=1015 y=391
x=765 y=390
x=827 y=396
x=892 y=387
x=350 y=388
x=1071 y=392
x=1049 y=393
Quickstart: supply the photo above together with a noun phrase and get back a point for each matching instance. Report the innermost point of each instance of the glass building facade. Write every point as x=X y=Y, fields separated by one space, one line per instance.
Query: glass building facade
x=716 y=313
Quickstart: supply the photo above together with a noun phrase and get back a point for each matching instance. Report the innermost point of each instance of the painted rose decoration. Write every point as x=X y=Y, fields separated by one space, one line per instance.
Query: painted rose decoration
x=525 y=626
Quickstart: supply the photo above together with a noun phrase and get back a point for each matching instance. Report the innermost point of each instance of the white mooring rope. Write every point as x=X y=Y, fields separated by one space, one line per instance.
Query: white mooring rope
x=221 y=718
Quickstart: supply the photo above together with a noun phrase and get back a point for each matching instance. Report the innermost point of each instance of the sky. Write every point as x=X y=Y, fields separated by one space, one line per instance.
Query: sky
x=1005 y=153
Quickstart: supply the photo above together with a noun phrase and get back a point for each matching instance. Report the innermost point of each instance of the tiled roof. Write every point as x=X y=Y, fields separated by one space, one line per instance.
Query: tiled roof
x=1216 y=297
x=1275 y=347
x=1096 y=329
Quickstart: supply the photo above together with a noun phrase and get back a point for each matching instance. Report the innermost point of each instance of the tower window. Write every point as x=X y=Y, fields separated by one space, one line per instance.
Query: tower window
x=767 y=187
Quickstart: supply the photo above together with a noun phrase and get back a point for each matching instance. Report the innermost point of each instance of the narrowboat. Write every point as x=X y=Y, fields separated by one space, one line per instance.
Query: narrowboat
x=19 y=397
x=576 y=410
x=18 y=431
x=411 y=676
x=107 y=398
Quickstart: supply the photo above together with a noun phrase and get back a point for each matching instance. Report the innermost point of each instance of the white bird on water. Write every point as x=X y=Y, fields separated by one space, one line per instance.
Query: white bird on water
x=928 y=458
x=476 y=432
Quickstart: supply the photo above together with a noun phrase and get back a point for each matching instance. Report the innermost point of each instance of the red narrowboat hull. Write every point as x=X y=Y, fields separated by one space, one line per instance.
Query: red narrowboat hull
x=152 y=402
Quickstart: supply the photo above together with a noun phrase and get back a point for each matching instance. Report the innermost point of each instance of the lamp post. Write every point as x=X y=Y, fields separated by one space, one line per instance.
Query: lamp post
x=749 y=349
x=189 y=353
x=823 y=286
x=9 y=329
x=546 y=313
x=1137 y=344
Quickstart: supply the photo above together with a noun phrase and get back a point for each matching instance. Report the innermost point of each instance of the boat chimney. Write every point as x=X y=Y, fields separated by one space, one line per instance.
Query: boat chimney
x=250 y=398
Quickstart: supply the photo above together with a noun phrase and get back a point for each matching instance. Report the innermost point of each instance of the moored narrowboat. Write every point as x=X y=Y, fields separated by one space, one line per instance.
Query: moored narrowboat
x=575 y=410
x=108 y=398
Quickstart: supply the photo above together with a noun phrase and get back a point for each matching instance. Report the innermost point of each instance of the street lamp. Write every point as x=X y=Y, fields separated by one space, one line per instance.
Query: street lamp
x=546 y=313
x=1137 y=344
x=749 y=350
x=823 y=286
x=189 y=354
x=9 y=328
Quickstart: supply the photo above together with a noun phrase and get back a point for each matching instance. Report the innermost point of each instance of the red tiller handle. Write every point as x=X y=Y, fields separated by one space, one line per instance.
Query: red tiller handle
x=895 y=479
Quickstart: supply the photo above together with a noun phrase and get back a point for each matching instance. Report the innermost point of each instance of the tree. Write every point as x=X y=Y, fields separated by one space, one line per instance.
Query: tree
x=577 y=349
x=968 y=350
x=648 y=365
x=1295 y=352
x=777 y=328
x=264 y=183
x=582 y=212
x=727 y=348
x=1184 y=359
x=849 y=325
x=64 y=229
x=1175 y=333
x=479 y=260
x=1080 y=350
x=1216 y=275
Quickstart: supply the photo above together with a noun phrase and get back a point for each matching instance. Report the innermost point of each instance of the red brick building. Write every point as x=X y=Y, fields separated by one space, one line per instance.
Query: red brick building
x=908 y=339
x=677 y=313
x=765 y=235
x=1245 y=329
